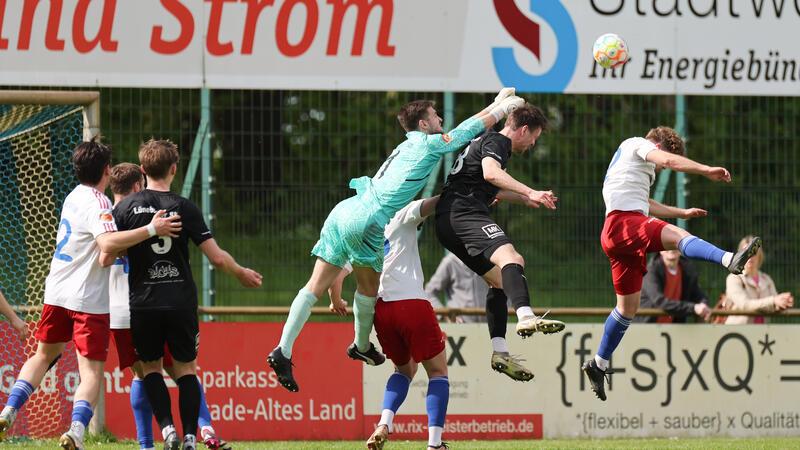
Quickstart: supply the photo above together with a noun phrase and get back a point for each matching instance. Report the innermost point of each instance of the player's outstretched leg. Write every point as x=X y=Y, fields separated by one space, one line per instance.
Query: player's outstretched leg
x=512 y=279
x=395 y=394
x=616 y=324
x=497 y=319
x=280 y=359
x=693 y=247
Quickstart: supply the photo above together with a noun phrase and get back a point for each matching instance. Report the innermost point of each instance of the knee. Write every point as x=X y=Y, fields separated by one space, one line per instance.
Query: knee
x=515 y=258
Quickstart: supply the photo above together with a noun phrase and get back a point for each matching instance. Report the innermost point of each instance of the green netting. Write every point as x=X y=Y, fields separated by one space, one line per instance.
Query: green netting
x=36 y=175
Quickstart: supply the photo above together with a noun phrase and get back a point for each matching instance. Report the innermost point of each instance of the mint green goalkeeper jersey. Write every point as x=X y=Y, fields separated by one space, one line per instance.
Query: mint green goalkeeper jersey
x=405 y=172
x=354 y=228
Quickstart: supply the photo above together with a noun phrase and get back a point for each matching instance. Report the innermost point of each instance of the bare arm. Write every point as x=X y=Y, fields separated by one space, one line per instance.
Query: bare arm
x=428 y=206
x=119 y=241
x=512 y=197
x=107 y=259
x=222 y=260
x=18 y=324
x=672 y=212
x=494 y=174
x=686 y=165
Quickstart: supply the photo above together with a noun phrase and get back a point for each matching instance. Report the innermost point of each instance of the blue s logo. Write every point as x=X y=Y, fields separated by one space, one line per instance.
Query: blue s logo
x=527 y=33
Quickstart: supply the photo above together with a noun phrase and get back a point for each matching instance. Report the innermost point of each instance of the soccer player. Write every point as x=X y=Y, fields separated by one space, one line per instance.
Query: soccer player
x=464 y=227
x=629 y=234
x=163 y=296
x=127 y=179
x=353 y=231
x=407 y=328
x=17 y=324
x=76 y=290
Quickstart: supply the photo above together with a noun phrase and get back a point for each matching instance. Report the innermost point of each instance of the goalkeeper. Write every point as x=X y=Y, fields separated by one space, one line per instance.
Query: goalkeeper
x=353 y=231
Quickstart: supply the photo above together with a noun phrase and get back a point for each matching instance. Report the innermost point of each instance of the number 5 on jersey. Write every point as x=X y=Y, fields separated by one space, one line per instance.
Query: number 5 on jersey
x=162 y=246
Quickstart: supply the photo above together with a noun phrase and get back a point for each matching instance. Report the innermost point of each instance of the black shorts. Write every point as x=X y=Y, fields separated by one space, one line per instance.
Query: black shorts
x=472 y=236
x=179 y=329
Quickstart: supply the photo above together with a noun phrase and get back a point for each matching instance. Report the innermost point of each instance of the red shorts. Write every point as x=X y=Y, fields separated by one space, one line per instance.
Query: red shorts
x=123 y=340
x=408 y=329
x=89 y=332
x=627 y=238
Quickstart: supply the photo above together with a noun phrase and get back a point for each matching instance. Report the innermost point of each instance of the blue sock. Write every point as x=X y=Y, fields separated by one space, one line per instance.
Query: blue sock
x=436 y=401
x=204 y=419
x=615 y=328
x=695 y=248
x=142 y=414
x=82 y=412
x=20 y=393
x=396 y=391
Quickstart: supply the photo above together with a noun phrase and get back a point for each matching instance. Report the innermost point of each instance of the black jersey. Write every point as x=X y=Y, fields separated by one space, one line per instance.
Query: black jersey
x=160 y=277
x=465 y=187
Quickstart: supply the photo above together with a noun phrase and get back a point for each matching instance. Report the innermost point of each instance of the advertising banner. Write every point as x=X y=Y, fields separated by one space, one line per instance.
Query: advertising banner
x=738 y=47
x=669 y=380
x=244 y=397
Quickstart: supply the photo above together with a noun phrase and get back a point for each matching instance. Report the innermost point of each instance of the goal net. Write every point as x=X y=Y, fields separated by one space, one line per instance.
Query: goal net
x=36 y=143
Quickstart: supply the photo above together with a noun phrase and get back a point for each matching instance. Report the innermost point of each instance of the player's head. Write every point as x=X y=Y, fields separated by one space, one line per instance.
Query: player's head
x=754 y=263
x=159 y=159
x=667 y=139
x=420 y=115
x=126 y=179
x=524 y=126
x=92 y=162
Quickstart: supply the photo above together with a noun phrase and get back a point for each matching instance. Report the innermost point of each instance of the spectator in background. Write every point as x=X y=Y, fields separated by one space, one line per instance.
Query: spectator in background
x=753 y=290
x=17 y=324
x=462 y=288
x=671 y=284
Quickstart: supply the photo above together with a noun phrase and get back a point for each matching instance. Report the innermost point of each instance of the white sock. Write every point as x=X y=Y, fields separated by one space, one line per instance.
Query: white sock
x=524 y=312
x=434 y=436
x=726 y=259
x=167 y=430
x=601 y=363
x=499 y=345
x=78 y=428
x=387 y=418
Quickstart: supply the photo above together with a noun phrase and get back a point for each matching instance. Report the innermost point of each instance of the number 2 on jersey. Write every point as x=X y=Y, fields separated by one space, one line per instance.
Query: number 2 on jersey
x=60 y=245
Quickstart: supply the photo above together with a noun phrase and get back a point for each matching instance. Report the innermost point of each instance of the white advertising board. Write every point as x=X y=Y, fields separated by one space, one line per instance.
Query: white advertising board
x=736 y=47
x=670 y=380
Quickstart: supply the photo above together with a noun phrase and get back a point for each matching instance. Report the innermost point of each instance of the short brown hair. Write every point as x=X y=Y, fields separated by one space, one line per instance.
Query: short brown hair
x=157 y=156
x=89 y=159
x=667 y=139
x=124 y=176
x=529 y=115
x=411 y=113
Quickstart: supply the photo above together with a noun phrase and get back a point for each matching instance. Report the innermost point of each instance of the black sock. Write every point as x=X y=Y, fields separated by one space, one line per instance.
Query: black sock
x=189 y=399
x=158 y=396
x=497 y=312
x=515 y=285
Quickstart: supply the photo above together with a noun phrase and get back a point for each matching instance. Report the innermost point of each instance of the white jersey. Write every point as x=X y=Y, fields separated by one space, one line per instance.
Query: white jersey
x=629 y=177
x=119 y=295
x=77 y=281
x=402 y=277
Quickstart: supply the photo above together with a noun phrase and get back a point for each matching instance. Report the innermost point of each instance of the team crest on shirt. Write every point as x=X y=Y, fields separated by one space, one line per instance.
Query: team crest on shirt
x=447 y=138
x=492 y=231
x=106 y=216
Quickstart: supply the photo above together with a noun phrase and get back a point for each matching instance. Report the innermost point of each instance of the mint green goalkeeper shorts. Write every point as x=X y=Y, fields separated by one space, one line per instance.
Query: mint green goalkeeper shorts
x=353 y=232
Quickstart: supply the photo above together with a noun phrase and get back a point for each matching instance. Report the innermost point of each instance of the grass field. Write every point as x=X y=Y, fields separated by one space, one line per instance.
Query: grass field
x=753 y=443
